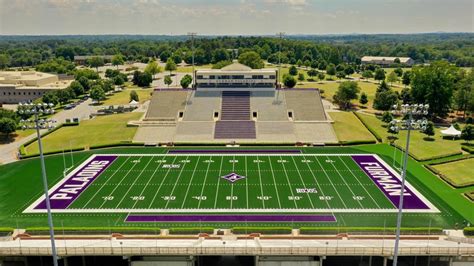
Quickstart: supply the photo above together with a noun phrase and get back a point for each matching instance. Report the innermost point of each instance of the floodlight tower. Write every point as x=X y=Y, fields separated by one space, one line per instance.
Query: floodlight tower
x=192 y=35
x=280 y=35
x=37 y=123
x=409 y=111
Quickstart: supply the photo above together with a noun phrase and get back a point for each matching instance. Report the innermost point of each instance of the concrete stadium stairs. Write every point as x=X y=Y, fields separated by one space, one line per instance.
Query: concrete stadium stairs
x=235 y=120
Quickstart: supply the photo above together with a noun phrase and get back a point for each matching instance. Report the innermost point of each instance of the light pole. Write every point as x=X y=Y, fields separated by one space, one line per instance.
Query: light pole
x=280 y=35
x=37 y=123
x=409 y=110
x=192 y=35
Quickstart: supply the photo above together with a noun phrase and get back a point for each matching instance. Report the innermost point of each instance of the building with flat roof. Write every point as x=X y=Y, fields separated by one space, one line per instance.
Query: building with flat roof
x=20 y=86
x=236 y=77
x=387 y=60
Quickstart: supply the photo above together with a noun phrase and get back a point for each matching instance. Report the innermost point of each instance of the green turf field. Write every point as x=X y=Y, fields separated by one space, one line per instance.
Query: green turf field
x=318 y=180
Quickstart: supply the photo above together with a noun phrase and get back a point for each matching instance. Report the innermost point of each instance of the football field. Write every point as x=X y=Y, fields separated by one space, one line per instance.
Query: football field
x=231 y=183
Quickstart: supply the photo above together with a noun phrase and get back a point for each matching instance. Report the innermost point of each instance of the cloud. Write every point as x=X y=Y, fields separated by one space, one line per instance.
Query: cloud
x=288 y=2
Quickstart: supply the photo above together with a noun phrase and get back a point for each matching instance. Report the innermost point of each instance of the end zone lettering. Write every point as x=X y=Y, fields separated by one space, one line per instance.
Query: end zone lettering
x=73 y=186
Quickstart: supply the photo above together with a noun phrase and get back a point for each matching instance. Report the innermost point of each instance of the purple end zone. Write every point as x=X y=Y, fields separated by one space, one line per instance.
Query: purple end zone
x=70 y=189
x=230 y=218
x=388 y=183
x=232 y=151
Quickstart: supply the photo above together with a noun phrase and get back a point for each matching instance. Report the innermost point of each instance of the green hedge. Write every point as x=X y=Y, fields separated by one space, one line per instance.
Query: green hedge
x=357 y=142
x=93 y=230
x=369 y=230
x=469 y=231
x=190 y=230
x=116 y=144
x=467 y=149
x=376 y=135
x=50 y=153
x=6 y=231
x=262 y=230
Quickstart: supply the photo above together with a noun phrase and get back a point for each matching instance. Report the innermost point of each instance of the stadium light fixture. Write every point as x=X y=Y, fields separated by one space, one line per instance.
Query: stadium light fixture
x=192 y=35
x=409 y=124
x=280 y=35
x=37 y=123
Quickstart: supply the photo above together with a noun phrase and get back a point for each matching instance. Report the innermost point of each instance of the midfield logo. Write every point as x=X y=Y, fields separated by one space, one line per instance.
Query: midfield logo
x=233 y=177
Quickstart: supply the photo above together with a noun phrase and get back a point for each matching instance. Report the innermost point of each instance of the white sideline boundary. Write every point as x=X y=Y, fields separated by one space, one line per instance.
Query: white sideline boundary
x=432 y=208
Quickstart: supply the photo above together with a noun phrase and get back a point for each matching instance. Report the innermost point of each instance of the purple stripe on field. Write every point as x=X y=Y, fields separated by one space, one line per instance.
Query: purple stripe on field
x=233 y=151
x=388 y=183
x=70 y=190
x=230 y=218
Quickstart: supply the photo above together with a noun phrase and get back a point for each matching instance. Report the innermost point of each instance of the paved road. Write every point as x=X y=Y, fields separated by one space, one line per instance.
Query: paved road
x=8 y=152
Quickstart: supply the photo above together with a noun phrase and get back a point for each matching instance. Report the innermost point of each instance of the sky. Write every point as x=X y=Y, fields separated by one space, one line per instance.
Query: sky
x=233 y=17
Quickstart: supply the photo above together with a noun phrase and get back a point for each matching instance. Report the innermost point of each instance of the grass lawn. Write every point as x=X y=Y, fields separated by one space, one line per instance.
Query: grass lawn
x=349 y=128
x=123 y=97
x=189 y=69
x=419 y=147
x=98 y=131
x=458 y=173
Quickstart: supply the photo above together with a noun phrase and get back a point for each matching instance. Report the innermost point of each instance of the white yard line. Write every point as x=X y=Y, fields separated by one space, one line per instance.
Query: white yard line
x=347 y=185
x=330 y=181
x=106 y=181
x=370 y=195
x=275 y=184
x=190 y=182
x=218 y=182
x=120 y=182
x=149 y=180
x=134 y=181
x=246 y=183
x=232 y=185
x=177 y=180
x=287 y=179
x=260 y=178
x=204 y=183
x=316 y=182
x=161 y=183
x=302 y=182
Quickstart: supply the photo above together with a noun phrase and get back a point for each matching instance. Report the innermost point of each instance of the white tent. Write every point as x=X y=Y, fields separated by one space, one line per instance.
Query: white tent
x=451 y=131
x=133 y=102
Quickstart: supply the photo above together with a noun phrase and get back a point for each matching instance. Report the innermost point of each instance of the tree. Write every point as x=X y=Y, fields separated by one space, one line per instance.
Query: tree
x=168 y=80
x=293 y=71
x=434 y=85
x=153 y=68
x=387 y=117
x=85 y=83
x=251 y=59
x=347 y=91
x=289 y=81
x=177 y=58
x=96 y=62
x=97 y=93
x=340 y=74
x=63 y=96
x=299 y=63
x=221 y=64
x=398 y=71
x=170 y=65
x=88 y=73
x=349 y=70
x=464 y=95
x=406 y=78
x=312 y=72
x=331 y=69
x=186 y=81
x=301 y=77
x=117 y=60
x=429 y=130
x=50 y=97
x=385 y=97
x=321 y=76
x=468 y=133
x=4 y=61
x=7 y=126
x=392 y=77
x=77 y=88
x=367 y=74
x=134 y=96
x=397 y=60
x=405 y=95
x=379 y=74
x=142 y=79
x=363 y=98
x=118 y=80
